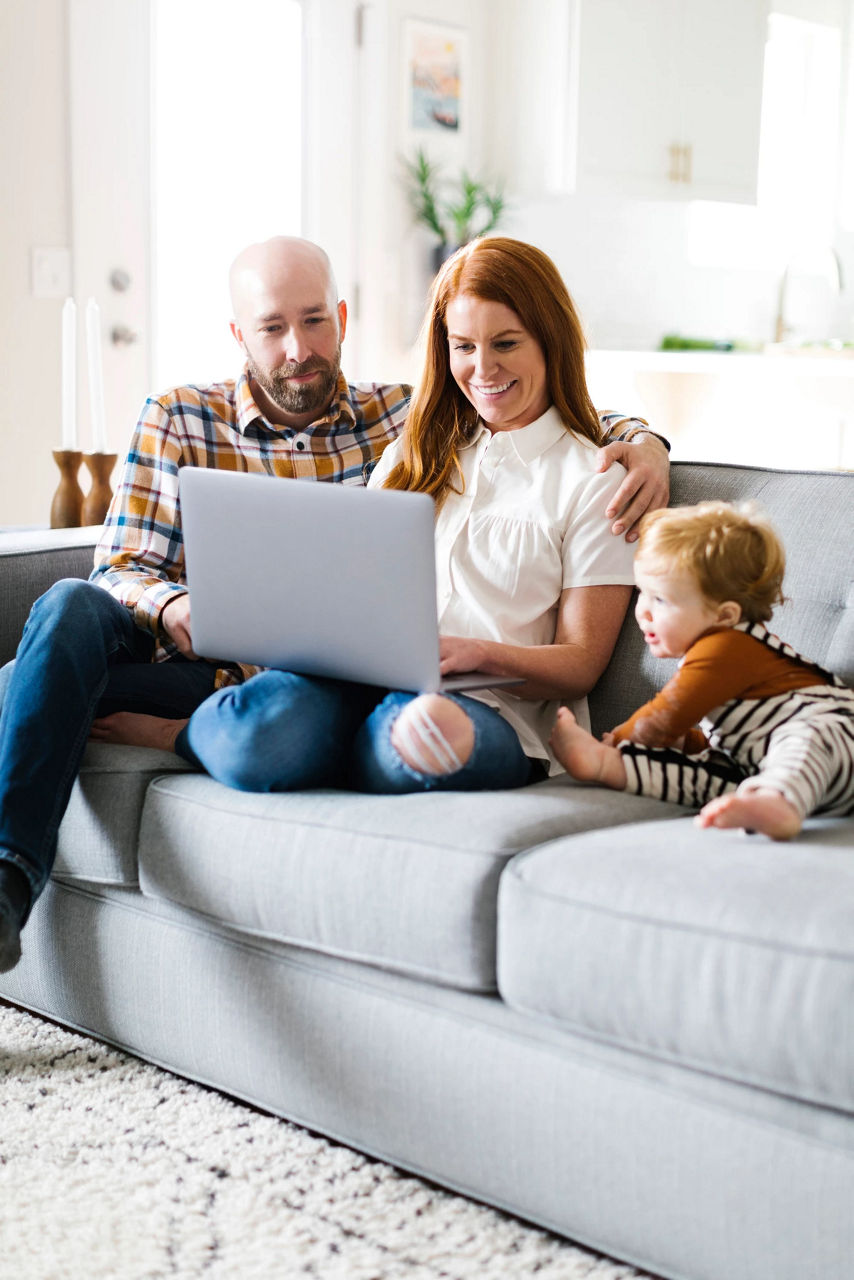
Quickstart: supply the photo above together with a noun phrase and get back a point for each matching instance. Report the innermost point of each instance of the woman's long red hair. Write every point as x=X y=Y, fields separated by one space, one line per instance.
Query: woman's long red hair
x=440 y=419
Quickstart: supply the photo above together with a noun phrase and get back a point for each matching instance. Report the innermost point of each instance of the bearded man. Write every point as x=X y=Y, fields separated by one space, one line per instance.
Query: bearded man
x=122 y=640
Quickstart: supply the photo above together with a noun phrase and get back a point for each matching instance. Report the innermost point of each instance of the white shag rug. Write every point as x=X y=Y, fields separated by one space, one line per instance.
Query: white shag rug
x=112 y=1168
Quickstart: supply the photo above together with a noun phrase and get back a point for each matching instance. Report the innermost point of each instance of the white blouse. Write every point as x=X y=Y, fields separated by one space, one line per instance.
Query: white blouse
x=530 y=523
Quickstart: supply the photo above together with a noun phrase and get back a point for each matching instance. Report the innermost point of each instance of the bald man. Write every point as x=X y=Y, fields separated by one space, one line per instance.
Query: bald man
x=123 y=640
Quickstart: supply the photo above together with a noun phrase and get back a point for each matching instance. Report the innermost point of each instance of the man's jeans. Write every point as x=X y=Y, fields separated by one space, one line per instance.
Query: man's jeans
x=81 y=655
x=283 y=732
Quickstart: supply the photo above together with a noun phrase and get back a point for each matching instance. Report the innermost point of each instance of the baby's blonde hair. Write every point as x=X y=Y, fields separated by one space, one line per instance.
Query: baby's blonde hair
x=731 y=550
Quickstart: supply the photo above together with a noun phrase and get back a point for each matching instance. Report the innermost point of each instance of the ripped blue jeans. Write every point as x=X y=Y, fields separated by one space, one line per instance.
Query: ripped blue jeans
x=285 y=732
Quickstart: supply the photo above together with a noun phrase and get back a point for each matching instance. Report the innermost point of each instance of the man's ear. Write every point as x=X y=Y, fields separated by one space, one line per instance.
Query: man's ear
x=237 y=332
x=342 y=320
x=729 y=613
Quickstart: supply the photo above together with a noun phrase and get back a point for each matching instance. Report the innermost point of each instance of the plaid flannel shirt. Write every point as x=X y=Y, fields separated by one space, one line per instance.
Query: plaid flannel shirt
x=139 y=558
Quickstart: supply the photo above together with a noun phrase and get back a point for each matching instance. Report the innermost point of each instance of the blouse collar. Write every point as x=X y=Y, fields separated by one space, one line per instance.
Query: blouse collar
x=532 y=441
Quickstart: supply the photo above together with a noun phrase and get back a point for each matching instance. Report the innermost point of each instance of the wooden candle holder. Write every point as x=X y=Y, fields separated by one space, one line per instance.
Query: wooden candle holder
x=67 y=504
x=97 y=500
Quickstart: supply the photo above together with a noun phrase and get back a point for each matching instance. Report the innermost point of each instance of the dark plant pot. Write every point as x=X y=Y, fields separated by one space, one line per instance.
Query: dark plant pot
x=441 y=253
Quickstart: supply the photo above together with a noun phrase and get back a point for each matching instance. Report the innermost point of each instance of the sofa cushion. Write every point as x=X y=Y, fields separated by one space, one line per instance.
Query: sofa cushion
x=405 y=882
x=99 y=833
x=715 y=949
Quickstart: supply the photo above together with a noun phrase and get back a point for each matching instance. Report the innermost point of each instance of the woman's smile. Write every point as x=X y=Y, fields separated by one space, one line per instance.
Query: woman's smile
x=493 y=391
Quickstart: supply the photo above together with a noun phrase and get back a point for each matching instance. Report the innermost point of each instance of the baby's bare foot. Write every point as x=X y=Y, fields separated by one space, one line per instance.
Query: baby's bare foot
x=133 y=729
x=765 y=811
x=583 y=756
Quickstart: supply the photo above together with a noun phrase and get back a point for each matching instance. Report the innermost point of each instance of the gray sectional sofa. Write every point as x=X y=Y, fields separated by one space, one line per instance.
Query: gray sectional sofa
x=569 y=1003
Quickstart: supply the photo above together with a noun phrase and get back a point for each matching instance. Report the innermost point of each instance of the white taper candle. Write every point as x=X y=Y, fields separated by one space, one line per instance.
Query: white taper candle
x=96 y=377
x=69 y=374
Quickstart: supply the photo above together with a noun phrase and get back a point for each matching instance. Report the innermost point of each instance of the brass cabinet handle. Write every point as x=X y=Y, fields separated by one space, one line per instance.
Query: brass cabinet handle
x=674 y=151
x=680 y=162
x=687 y=158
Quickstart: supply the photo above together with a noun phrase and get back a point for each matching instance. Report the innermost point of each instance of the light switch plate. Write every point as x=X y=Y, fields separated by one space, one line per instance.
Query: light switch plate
x=50 y=273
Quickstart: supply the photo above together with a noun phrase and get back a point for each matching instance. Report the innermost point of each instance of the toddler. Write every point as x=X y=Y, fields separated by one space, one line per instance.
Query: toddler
x=777 y=736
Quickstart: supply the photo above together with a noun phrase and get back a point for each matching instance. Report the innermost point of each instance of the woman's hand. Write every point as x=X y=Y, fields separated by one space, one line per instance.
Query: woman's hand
x=458 y=654
x=645 y=488
x=588 y=623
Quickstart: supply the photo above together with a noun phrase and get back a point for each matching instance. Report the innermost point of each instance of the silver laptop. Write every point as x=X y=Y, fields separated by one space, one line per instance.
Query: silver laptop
x=320 y=578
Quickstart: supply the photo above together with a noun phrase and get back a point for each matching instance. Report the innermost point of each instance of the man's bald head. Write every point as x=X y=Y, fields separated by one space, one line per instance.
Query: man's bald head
x=290 y=324
x=271 y=264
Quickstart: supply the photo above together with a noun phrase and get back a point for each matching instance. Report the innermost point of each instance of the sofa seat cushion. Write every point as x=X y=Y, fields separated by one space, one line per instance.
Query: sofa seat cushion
x=715 y=949
x=405 y=882
x=99 y=834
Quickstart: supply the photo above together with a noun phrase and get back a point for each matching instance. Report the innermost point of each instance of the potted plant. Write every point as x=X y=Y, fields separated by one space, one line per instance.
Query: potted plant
x=454 y=214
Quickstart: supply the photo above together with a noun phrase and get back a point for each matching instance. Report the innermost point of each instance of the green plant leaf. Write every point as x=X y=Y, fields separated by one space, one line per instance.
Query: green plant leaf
x=471 y=209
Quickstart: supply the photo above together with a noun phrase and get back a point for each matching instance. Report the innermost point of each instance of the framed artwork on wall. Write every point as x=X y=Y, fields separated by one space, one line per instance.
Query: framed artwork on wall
x=435 y=85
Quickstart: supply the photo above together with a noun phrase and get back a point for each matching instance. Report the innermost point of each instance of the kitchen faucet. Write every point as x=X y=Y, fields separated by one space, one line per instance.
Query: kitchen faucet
x=781 y=328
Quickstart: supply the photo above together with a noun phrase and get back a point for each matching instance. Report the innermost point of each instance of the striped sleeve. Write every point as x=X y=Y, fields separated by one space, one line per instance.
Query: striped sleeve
x=714 y=670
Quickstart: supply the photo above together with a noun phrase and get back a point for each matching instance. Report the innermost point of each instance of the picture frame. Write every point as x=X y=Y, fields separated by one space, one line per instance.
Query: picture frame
x=435 y=85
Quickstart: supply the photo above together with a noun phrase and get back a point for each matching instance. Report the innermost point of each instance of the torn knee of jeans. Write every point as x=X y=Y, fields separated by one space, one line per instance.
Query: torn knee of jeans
x=424 y=745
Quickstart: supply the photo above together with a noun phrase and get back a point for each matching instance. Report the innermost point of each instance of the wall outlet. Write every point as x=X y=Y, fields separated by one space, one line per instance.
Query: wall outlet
x=50 y=273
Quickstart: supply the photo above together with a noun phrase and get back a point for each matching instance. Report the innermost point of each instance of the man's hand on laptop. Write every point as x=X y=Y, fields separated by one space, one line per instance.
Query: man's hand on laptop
x=175 y=622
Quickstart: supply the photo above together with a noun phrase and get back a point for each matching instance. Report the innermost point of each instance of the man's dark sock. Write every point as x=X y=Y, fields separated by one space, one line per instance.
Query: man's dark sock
x=14 y=902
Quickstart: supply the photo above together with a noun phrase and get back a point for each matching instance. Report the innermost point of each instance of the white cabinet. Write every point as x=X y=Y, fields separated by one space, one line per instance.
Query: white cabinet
x=669 y=97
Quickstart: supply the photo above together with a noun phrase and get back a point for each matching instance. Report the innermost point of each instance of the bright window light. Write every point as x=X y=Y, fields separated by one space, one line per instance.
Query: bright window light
x=226 y=166
x=798 y=158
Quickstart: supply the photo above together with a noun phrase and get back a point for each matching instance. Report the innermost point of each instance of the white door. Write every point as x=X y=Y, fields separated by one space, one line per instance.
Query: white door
x=186 y=144
x=109 y=51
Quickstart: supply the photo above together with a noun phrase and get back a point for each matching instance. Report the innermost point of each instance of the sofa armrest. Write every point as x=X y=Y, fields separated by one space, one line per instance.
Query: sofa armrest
x=30 y=562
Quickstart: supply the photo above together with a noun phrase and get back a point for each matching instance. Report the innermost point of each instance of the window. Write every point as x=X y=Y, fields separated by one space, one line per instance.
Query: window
x=799 y=149
x=226 y=165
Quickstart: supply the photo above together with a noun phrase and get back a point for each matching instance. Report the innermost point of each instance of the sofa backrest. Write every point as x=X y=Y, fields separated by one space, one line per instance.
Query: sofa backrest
x=30 y=562
x=813 y=511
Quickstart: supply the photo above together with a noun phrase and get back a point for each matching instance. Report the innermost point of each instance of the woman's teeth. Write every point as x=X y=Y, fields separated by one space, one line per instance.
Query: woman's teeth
x=494 y=391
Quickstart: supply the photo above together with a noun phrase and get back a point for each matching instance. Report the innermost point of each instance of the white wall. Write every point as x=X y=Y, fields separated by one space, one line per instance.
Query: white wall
x=35 y=212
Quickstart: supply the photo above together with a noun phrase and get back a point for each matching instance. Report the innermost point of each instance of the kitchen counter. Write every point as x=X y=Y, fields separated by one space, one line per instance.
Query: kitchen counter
x=782 y=407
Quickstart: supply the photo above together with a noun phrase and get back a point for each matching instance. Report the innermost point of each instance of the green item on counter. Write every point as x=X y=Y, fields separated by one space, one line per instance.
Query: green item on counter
x=675 y=342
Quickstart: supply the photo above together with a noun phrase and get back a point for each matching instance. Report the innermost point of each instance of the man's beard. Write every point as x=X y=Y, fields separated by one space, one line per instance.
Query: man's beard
x=302 y=397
